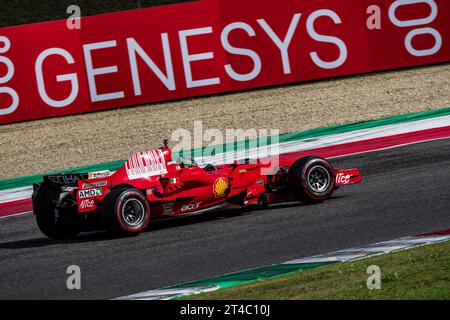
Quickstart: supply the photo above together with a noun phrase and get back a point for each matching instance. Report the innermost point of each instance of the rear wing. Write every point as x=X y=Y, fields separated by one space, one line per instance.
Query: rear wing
x=65 y=179
x=71 y=179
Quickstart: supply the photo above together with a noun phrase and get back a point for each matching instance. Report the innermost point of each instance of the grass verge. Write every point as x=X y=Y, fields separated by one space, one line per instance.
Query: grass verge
x=419 y=273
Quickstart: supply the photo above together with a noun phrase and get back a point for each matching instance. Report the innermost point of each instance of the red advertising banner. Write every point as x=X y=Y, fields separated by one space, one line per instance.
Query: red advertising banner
x=209 y=46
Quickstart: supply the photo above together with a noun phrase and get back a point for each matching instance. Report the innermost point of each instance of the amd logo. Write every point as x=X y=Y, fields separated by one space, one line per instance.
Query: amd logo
x=90 y=193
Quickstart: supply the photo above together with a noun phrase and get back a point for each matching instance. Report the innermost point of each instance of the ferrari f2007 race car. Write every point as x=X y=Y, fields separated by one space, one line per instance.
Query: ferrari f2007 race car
x=150 y=185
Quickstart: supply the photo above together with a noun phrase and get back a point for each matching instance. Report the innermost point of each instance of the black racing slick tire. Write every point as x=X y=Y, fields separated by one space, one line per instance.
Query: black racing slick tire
x=311 y=180
x=125 y=212
x=64 y=225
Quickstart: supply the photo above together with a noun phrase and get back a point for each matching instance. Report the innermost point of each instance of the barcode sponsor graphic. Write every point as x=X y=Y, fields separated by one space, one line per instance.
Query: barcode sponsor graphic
x=146 y=164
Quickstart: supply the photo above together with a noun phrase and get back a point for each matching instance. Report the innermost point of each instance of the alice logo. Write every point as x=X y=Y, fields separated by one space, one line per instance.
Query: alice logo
x=220 y=187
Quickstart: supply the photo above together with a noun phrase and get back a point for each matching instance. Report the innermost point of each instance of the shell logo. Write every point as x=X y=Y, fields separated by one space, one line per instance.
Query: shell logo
x=220 y=187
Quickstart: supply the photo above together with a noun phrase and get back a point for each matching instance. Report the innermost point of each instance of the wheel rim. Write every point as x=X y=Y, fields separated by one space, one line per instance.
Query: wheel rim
x=318 y=179
x=133 y=212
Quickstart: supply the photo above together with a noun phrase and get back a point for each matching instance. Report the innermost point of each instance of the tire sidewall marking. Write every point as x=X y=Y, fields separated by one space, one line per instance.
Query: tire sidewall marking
x=304 y=183
x=118 y=208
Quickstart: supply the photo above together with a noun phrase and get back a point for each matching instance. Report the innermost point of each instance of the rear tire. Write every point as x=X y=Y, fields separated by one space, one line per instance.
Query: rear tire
x=65 y=226
x=311 y=179
x=125 y=212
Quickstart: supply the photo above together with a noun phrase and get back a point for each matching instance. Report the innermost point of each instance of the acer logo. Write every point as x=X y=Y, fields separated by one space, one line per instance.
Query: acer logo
x=191 y=206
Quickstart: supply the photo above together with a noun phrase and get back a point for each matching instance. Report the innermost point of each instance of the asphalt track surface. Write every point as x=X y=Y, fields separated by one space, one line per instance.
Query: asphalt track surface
x=405 y=192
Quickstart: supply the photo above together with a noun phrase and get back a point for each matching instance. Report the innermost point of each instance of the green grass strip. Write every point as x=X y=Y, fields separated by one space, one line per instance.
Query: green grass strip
x=250 y=276
x=240 y=145
x=418 y=273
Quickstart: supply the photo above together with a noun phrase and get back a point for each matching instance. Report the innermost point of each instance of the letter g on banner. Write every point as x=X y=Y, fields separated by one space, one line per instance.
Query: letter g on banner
x=5 y=44
x=417 y=22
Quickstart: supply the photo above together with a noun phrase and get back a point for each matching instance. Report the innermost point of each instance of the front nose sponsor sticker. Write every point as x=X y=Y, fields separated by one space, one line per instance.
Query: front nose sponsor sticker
x=342 y=179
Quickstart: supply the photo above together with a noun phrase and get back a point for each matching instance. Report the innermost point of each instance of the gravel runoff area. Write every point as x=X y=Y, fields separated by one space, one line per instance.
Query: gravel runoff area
x=60 y=143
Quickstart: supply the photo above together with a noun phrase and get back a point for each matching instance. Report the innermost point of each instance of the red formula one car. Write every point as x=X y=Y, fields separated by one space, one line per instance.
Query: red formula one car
x=150 y=185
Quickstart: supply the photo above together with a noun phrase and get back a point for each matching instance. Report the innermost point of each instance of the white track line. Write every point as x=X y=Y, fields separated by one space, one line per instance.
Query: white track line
x=17 y=214
x=15 y=194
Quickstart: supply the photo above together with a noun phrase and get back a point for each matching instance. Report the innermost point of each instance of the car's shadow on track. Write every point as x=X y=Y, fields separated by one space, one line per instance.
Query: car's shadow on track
x=44 y=242
x=226 y=214
x=99 y=236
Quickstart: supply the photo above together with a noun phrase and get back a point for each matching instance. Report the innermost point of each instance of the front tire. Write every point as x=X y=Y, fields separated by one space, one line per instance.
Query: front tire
x=125 y=212
x=311 y=179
